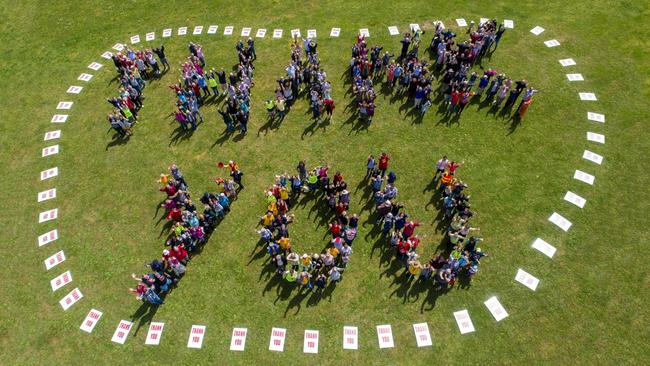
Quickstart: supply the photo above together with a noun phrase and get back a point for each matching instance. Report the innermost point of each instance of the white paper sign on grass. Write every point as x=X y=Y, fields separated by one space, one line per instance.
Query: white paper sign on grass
x=464 y=322
x=213 y=29
x=311 y=33
x=118 y=47
x=414 y=27
x=59 y=118
x=385 y=336
x=584 y=177
x=596 y=137
x=150 y=36
x=393 y=30
x=552 y=43
x=48 y=237
x=295 y=33
x=50 y=150
x=227 y=31
x=593 y=157
x=61 y=280
x=526 y=279
x=48 y=215
x=74 y=89
x=277 y=339
x=52 y=135
x=135 y=39
x=154 y=334
x=195 y=339
x=335 y=32
x=422 y=335
x=544 y=247
x=95 y=66
x=197 y=30
x=182 y=31
x=592 y=116
x=461 y=22
x=567 y=62
x=587 y=96
x=364 y=32
x=245 y=32
x=350 y=337
x=496 y=309
x=49 y=173
x=54 y=260
x=122 y=331
x=277 y=33
x=71 y=298
x=64 y=105
x=260 y=33
x=310 y=342
x=537 y=30
x=46 y=195
x=560 y=221
x=238 y=339
x=107 y=55
x=85 y=77
x=167 y=33
x=575 y=77
x=575 y=199
x=91 y=320
x=483 y=20
x=507 y=23
x=439 y=22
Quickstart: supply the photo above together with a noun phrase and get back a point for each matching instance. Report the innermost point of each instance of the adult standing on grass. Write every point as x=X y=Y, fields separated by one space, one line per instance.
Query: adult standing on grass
x=236 y=176
x=441 y=166
x=383 y=163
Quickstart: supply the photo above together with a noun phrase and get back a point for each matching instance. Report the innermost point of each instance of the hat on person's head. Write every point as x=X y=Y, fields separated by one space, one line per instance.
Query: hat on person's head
x=478 y=250
x=165 y=252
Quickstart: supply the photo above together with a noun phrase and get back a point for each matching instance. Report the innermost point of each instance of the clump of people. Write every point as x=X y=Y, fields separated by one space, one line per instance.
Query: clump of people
x=134 y=67
x=189 y=229
x=308 y=270
x=301 y=73
x=362 y=69
x=464 y=253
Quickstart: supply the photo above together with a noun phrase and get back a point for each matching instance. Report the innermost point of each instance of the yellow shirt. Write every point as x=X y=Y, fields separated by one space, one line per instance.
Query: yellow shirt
x=284 y=243
x=268 y=219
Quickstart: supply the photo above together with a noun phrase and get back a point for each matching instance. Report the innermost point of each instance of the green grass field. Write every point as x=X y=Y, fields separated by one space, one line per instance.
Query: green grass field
x=591 y=304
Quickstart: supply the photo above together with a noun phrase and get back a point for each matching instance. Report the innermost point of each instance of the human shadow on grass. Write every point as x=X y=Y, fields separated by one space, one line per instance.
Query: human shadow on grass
x=144 y=314
x=117 y=139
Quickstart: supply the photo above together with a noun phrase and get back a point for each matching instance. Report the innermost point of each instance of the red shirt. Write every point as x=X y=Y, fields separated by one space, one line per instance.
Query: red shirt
x=329 y=104
x=175 y=214
x=454 y=97
x=403 y=247
x=452 y=167
x=169 y=189
x=383 y=162
x=335 y=229
x=179 y=253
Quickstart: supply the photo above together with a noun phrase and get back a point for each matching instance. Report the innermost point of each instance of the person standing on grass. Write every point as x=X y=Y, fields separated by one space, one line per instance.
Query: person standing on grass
x=464 y=101
x=441 y=166
x=383 y=163
x=370 y=166
x=237 y=177
x=329 y=107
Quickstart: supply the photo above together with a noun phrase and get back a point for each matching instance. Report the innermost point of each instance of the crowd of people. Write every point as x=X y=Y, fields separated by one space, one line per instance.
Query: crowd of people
x=362 y=68
x=412 y=76
x=133 y=68
x=464 y=254
x=308 y=270
x=300 y=72
x=189 y=230
x=197 y=84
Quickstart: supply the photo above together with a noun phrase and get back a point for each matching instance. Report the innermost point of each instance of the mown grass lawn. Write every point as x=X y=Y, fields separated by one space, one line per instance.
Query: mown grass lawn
x=590 y=307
